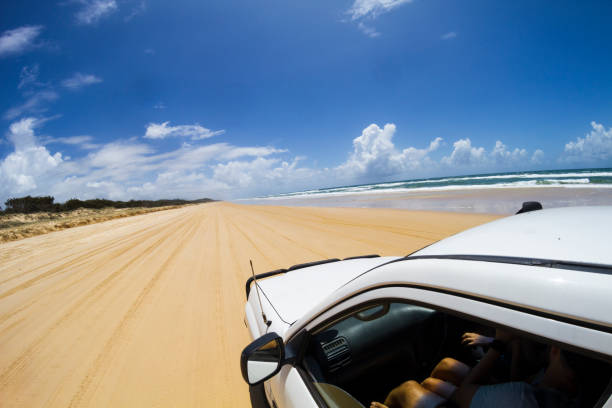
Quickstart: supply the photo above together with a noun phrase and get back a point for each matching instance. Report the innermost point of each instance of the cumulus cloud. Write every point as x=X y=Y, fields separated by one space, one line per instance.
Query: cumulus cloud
x=537 y=156
x=195 y=132
x=467 y=156
x=137 y=169
x=594 y=147
x=18 y=40
x=449 y=35
x=464 y=154
x=375 y=156
x=78 y=81
x=93 y=10
x=132 y=169
x=502 y=156
x=250 y=175
x=29 y=164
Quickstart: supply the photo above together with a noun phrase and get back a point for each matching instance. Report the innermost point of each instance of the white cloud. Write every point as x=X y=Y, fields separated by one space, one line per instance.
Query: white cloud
x=595 y=147
x=375 y=156
x=131 y=169
x=504 y=157
x=18 y=40
x=449 y=35
x=195 y=132
x=537 y=157
x=83 y=141
x=149 y=51
x=29 y=164
x=373 y=8
x=32 y=104
x=136 y=169
x=94 y=10
x=159 y=105
x=367 y=30
x=249 y=178
x=78 y=81
x=368 y=10
x=464 y=155
x=250 y=151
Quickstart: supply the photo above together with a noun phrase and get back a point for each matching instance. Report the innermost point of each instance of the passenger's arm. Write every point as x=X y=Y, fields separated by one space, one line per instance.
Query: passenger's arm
x=480 y=373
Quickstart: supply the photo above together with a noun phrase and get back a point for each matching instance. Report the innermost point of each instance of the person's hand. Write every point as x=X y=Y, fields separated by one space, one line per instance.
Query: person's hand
x=475 y=339
x=503 y=335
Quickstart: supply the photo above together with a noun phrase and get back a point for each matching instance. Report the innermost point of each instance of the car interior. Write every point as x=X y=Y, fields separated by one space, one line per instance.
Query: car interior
x=380 y=346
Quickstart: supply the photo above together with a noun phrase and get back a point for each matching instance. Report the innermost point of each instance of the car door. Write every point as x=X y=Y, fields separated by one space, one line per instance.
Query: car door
x=299 y=385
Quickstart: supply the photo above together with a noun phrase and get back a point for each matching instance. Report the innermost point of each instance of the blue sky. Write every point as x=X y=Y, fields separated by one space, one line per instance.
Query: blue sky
x=153 y=99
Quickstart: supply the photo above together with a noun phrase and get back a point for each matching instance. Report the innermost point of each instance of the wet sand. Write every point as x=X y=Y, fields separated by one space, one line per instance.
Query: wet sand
x=148 y=310
x=476 y=200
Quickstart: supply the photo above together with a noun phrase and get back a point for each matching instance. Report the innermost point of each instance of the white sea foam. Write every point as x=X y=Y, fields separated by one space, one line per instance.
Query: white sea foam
x=540 y=183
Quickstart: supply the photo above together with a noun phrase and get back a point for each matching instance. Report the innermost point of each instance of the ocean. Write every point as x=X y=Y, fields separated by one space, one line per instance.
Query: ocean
x=593 y=178
x=497 y=193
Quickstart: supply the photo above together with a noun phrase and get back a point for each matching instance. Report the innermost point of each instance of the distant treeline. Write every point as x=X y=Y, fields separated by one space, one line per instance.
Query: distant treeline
x=27 y=205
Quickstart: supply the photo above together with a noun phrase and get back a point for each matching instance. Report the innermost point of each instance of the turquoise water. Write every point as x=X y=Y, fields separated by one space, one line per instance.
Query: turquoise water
x=595 y=178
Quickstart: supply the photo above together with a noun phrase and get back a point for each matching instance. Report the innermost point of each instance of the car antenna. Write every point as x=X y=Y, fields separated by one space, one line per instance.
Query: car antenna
x=263 y=315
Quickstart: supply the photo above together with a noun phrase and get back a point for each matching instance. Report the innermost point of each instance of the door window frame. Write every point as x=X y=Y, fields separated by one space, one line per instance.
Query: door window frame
x=529 y=324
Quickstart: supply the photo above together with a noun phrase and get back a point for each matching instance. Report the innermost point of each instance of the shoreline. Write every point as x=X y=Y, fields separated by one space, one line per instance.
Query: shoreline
x=485 y=200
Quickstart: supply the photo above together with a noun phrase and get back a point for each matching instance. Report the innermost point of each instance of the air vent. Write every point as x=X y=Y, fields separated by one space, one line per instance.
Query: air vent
x=337 y=353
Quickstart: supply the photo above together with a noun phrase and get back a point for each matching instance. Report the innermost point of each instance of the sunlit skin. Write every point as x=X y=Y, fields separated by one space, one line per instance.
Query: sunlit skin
x=453 y=380
x=442 y=383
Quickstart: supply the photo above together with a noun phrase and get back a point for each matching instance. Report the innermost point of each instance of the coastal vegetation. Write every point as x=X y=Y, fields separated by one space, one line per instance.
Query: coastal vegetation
x=29 y=216
x=29 y=205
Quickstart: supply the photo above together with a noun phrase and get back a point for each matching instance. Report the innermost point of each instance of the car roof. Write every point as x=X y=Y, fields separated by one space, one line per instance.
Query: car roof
x=571 y=234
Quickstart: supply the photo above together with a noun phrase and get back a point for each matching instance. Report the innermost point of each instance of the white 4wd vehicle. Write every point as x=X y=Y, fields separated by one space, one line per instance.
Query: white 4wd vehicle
x=344 y=333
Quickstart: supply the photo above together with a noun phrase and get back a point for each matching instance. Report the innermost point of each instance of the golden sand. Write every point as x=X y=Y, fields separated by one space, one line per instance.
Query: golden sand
x=147 y=311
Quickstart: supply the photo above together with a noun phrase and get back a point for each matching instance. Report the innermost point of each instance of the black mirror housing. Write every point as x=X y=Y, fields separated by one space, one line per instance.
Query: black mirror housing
x=262 y=359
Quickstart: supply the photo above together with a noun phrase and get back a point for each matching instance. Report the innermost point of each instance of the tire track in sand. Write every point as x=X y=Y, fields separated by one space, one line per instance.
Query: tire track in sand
x=12 y=370
x=66 y=267
x=104 y=357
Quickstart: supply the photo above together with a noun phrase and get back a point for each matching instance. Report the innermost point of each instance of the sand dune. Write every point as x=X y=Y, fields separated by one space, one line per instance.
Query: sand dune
x=147 y=311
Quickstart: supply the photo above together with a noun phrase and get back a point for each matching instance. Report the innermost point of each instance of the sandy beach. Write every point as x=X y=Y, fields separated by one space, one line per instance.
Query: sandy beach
x=475 y=200
x=148 y=310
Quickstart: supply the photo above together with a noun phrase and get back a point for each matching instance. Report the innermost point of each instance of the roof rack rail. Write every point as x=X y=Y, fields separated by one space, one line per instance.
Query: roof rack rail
x=362 y=256
x=279 y=271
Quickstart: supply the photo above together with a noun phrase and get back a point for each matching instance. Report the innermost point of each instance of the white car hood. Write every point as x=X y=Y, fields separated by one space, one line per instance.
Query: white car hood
x=294 y=293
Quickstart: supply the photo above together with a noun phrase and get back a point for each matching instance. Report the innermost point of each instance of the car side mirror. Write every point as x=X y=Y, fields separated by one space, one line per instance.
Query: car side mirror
x=262 y=359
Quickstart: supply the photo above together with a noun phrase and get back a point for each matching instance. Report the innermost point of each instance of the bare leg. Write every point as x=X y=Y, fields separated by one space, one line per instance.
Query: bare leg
x=440 y=387
x=446 y=376
x=410 y=394
x=451 y=370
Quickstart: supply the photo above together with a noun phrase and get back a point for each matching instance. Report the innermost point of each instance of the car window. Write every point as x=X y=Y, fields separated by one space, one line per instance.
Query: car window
x=361 y=357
